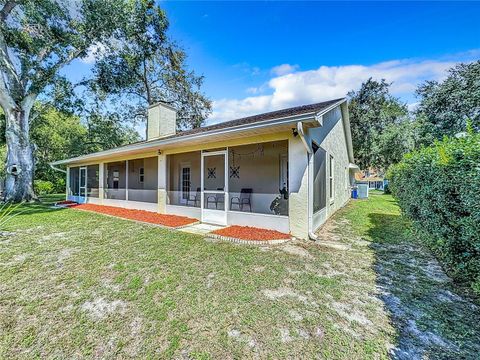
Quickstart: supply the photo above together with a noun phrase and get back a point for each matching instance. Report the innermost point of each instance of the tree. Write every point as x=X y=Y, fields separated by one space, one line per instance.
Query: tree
x=374 y=111
x=56 y=135
x=37 y=39
x=395 y=141
x=143 y=67
x=446 y=106
x=59 y=134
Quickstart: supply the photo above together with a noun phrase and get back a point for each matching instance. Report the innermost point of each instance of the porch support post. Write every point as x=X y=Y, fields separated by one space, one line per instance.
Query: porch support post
x=126 y=180
x=101 y=181
x=298 y=183
x=67 y=184
x=162 y=183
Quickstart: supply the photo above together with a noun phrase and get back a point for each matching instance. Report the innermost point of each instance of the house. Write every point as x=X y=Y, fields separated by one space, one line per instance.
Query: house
x=373 y=178
x=287 y=170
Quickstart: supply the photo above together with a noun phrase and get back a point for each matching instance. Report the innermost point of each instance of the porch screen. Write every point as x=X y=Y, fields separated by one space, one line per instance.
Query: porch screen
x=258 y=178
x=74 y=181
x=319 y=178
x=115 y=180
x=92 y=180
x=143 y=179
x=184 y=179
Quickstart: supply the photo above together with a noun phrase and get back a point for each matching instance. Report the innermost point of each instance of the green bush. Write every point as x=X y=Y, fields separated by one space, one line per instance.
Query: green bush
x=438 y=188
x=43 y=187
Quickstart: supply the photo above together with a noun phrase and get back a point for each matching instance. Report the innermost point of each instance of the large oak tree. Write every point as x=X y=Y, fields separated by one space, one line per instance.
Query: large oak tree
x=40 y=37
x=37 y=39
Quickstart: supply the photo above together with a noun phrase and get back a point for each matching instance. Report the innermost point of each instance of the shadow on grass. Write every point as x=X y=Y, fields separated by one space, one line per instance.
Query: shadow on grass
x=431 y=319
x=44 y=205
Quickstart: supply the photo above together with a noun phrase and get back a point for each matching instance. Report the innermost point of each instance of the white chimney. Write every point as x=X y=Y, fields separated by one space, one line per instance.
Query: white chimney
x=161 y=121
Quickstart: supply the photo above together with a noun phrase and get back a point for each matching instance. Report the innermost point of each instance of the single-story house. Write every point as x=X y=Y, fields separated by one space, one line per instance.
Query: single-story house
x=287 y=170
x=374 y=180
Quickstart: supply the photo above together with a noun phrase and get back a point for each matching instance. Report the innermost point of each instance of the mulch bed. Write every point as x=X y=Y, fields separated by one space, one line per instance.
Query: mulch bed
x=251 y=233
x=139 y=215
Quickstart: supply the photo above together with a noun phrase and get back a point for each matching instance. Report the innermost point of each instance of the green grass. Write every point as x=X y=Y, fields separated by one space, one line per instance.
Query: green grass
x=78 y=284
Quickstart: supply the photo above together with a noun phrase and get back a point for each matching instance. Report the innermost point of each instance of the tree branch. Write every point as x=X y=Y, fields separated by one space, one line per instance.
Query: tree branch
x=6 y=62
x=7 y=9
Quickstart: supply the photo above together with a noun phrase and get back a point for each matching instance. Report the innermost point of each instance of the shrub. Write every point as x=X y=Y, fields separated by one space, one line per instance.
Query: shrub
x=438 y=188
x=43 y=187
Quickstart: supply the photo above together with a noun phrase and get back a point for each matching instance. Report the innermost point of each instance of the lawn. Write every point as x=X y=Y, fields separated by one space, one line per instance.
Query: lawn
x=79 y=284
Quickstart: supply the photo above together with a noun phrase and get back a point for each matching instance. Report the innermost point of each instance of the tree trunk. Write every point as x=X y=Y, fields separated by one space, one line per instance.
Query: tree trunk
x=20 y=163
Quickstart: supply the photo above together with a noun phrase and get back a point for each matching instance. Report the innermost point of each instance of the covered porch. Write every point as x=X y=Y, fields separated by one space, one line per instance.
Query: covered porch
x=240 y=185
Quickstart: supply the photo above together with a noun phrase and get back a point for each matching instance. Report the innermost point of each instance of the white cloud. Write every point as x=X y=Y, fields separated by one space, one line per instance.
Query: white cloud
x=283 y=69
x=93 y=51
x=330 y=82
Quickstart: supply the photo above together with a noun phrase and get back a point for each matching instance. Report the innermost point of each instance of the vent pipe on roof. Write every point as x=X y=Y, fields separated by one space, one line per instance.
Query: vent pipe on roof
x=161 y=121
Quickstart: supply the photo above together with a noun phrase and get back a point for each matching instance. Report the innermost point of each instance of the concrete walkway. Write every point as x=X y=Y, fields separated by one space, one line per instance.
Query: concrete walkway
x=200 y=229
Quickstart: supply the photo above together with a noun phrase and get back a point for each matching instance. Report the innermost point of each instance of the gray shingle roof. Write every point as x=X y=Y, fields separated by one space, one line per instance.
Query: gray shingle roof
x=294 y=111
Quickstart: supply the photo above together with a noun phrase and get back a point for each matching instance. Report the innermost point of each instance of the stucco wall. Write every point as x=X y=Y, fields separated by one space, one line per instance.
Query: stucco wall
x=298 y=180
x=331 y=138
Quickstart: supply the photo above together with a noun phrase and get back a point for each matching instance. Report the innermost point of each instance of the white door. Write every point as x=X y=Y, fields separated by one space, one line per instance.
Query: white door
x=214 y=187
x=82 y=193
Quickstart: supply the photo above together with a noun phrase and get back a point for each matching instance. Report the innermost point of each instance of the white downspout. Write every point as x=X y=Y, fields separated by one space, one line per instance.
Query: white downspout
x=309 y=149
x=57 y=169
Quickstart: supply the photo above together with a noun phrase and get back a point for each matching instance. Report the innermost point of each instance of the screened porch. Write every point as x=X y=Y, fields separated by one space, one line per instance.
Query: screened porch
x=246 y=179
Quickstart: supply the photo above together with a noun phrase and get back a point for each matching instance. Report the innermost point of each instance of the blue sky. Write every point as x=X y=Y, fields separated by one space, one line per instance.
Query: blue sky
x=262 y=56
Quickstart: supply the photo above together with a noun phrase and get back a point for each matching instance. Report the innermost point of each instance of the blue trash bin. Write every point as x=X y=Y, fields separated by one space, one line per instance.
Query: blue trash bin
x=354 y=194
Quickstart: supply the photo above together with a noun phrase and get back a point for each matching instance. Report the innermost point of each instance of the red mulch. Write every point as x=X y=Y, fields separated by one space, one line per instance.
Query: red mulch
x=251 y=233
x=139 y=215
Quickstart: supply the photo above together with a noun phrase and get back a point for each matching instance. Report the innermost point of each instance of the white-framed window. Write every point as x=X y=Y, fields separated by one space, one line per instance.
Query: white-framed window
x=141 y=175
x=331 y=182
x=185 y=181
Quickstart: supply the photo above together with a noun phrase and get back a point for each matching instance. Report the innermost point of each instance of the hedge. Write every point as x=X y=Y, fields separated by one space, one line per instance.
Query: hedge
x=43 y=187
x=438 y=188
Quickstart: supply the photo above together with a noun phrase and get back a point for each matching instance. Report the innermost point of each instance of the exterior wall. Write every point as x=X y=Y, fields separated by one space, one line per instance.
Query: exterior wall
x=331 y=137
x=273 y=222
x=298 y=182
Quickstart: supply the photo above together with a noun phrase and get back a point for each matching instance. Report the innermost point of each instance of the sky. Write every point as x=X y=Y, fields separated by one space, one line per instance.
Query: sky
x=263 y=56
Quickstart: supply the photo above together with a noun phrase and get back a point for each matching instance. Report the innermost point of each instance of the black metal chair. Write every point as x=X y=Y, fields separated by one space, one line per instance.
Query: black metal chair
x=242 y=200
x=220 y=199
x=216 y=199
x=194 y=198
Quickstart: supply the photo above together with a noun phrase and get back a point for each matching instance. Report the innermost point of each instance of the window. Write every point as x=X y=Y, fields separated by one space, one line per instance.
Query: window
x=330 y=174
x=319 y=178
x=116 y=179
x=185 y=182
x=141 y=175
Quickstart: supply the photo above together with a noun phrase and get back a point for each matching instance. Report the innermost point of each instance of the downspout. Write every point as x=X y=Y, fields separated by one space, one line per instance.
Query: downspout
x=309 y=149
x=57 y=169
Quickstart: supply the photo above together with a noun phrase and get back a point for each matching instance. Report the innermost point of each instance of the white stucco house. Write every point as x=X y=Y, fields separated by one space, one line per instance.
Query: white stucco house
x=287 y=170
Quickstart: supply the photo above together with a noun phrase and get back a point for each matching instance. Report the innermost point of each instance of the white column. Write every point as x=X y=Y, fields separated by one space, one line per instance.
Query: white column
x=68 y=183
x=126 y=180
x=101 y=181
x=162 y=183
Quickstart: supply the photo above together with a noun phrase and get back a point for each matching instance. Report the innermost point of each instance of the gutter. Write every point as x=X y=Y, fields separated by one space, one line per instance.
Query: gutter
x=56 y=168
x=157 y=143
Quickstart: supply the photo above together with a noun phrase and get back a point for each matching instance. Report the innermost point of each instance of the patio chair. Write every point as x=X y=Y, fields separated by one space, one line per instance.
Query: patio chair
x=216 y=199
x=220 y=199
x=242 y=200
x=194 y=198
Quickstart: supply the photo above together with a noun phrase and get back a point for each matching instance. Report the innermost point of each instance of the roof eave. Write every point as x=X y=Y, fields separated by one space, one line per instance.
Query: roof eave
x=157 y=143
